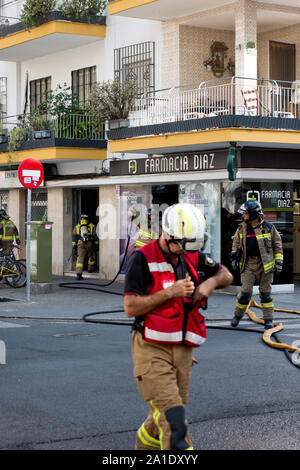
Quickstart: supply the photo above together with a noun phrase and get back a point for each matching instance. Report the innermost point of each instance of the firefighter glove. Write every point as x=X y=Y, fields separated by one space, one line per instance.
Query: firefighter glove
x=278 y=268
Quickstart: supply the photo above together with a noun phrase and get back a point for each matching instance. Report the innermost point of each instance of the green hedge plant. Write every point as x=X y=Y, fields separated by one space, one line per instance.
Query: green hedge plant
x=34 y=12
x=82 y=8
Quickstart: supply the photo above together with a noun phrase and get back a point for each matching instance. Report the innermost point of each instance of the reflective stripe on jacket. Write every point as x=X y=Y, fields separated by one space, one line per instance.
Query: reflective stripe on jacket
x=8 y=231
x=269 y=244
x=144 y=238
x=168 y=323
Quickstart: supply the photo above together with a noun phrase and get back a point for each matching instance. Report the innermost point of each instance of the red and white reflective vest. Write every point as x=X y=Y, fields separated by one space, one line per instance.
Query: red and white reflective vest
x=168 y=323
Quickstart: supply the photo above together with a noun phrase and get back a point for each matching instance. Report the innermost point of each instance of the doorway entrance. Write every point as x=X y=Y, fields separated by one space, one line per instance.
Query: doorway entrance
x=86 y=201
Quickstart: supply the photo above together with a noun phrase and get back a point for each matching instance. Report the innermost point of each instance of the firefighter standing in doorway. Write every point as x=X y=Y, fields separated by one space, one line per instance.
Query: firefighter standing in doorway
x=84 y=242
x=153 y=231
x=8 y=232
x=257 y=252
x=163 y=291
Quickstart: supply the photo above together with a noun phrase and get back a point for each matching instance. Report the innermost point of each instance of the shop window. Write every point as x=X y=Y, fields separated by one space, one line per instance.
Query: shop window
x=38 y=91
x=136 y=63
x=83 y=81
x=206 y=196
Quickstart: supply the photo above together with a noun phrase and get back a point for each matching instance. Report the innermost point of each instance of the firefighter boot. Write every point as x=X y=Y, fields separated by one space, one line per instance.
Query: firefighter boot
x=268 y=324
x=235 y=321
x=79 y=277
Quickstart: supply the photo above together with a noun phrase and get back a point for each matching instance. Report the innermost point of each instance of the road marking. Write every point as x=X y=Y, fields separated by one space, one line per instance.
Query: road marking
x=4 y=324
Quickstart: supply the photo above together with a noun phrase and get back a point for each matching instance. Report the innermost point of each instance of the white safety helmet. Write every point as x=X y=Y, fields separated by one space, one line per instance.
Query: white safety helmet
x=185 y=224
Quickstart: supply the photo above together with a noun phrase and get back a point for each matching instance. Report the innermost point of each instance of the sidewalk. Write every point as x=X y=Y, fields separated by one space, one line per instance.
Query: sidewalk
x=72 y=303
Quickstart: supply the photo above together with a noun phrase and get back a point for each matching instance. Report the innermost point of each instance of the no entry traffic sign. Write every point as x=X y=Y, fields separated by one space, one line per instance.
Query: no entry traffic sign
x=31 y=173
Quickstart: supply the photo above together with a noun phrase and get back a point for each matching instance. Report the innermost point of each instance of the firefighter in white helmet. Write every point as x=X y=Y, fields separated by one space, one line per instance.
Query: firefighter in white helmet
x=165 y=285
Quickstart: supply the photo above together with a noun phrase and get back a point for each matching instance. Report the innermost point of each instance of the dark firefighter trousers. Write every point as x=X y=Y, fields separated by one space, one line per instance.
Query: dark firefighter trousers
x=254 y=272
x=84 y=249
x=162 y=373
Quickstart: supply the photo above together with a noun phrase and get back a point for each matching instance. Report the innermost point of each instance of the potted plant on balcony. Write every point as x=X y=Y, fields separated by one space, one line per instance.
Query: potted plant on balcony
x=112 y=101
x=35 y=12
x=16 y=137
x=82 y=9
x=40 y=124
x=3 y=134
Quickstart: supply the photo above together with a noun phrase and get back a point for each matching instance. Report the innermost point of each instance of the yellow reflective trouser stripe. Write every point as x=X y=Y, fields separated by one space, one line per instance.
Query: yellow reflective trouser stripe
x=8 y=237
x=79 y=265
x=147 y=439
x=269 y=305
x=269 y=266
x=278 y=256
x=241 y=235
x=156 y=416
x=238 y=305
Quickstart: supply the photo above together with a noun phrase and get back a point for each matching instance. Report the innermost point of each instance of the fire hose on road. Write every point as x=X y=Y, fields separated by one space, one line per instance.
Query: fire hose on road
x=266 y=336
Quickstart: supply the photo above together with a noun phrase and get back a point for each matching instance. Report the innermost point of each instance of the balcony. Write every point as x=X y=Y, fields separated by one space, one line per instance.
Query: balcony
x=69 y=137
x=55 y=33
x=162 y=10
x=222 y=110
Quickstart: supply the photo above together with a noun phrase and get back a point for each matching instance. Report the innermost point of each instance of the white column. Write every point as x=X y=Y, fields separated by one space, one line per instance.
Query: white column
x=245 y=34
x=60 y=213
x=246 y=93
x=109 y=232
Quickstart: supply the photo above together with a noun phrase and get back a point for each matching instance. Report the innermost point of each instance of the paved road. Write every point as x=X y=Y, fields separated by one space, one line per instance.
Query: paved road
x=69 y=385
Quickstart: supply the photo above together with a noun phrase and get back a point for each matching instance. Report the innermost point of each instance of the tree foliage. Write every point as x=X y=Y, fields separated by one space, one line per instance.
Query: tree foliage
x=112 y=100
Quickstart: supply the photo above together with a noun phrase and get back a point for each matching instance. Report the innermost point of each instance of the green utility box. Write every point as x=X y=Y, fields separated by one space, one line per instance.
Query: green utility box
x=41 y=252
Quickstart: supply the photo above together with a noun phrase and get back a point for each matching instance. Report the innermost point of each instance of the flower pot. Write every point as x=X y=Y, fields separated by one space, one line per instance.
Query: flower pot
x=43 y=134
x=3 y=139
x=118 y=123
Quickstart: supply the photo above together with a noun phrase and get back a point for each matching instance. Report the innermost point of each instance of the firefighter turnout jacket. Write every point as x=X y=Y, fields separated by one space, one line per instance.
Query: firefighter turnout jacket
x=171 y=323
x=84 y=232
x=8 y=231
x=269 y=244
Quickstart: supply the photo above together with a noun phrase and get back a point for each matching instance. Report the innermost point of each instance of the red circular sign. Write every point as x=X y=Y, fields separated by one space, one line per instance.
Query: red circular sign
x=31 y=173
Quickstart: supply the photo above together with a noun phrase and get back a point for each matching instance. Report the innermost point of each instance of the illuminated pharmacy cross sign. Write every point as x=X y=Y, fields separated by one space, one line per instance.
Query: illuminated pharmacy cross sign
x=31 y=173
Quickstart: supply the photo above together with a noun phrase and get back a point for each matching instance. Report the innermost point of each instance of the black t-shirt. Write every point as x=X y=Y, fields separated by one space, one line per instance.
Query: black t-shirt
x=252 y=248
x=138 y=278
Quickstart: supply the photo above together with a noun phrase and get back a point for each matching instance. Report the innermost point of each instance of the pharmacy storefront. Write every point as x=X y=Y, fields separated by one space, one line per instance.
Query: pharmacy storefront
x=201 y=179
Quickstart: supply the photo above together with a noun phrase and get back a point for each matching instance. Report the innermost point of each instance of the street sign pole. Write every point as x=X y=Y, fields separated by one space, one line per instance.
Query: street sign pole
x=31 y=175
x=28 y=263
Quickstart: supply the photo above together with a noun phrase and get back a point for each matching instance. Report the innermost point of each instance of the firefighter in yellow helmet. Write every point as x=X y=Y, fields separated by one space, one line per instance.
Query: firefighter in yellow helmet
x=164 y=291
x=84 y=242
x=8 y=232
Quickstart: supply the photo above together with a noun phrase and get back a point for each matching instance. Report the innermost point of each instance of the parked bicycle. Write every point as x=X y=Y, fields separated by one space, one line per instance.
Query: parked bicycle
x=13 y=271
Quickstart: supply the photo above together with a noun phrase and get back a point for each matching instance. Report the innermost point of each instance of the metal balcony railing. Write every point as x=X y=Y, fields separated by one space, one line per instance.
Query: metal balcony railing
x=235 y=96
x=67 y=126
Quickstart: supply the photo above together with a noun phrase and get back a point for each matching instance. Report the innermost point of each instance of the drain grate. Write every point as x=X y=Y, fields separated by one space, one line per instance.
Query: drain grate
x=68 y=335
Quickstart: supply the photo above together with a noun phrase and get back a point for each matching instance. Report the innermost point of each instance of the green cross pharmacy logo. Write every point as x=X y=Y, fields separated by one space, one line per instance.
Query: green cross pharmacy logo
x=132 y=167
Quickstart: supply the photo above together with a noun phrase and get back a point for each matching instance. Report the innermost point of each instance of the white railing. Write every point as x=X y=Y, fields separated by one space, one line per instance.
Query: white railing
x=78 y=126
x=235 y=96
x=68 y=126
